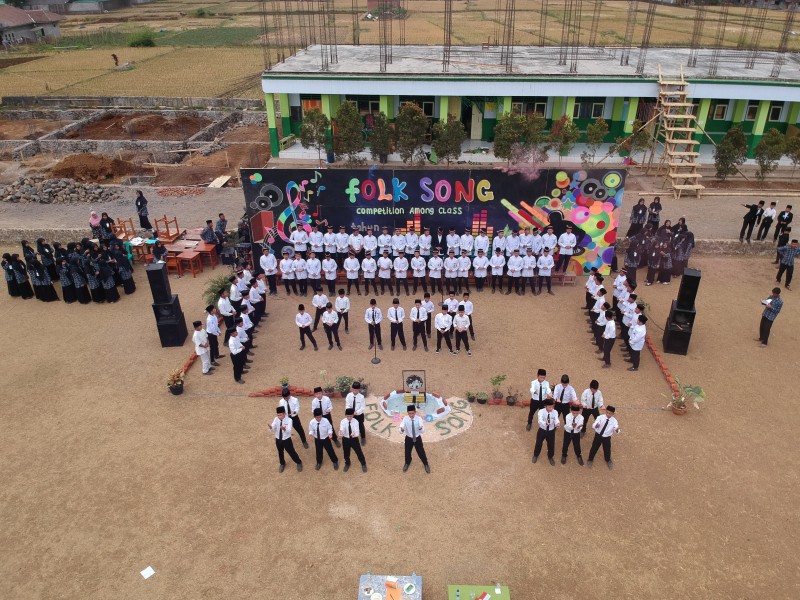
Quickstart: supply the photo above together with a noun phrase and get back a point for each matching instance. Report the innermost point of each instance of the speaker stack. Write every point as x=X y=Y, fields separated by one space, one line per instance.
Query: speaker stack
x=170 y=321
x=680 y=323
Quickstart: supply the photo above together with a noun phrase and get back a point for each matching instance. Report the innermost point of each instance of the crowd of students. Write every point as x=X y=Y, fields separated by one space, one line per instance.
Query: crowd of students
x=86 y=271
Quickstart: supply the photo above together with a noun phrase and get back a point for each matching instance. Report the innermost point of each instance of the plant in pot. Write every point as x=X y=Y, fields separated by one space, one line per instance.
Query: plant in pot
x=343 y=384
x=482 y=397
x=496 y=382
x=284 y=381
x=687 y=393
x=175 y=381
x=470 y=396
x=512 y=396
x=327 y=386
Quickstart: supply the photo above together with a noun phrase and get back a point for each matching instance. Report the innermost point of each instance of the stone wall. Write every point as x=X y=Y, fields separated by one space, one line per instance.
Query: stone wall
x=134 y=102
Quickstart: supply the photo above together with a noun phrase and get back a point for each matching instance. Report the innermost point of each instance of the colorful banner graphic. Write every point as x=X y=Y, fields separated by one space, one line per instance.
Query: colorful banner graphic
x=279 y=201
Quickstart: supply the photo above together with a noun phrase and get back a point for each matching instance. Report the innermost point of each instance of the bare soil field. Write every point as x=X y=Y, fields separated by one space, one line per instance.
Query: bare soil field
x=142 y=126
x=105 y=473
x=28 y=129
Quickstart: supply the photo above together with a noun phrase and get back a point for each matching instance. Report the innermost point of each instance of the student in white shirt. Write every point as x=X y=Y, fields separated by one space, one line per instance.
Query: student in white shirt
x=514 y=271
x=370 y=243
x=412 y=241
x=413 y=428
x=425 y=242
x=287 y=273
x=418 y=271
x=549 y=240
x=370 y=268
x=548 y=423
x=200 y=340
x=330 y=323
x=398 y=242
x=238 y=354
x=319 y=301
x=545 y=266
x=303 y=321
x=573 y=428
x=512 y=243
x=464 y=263
x=499 y=241
x=212 y=329
x=282 y=430
x=480 y=265
x=430 y=308
x=564 y=395
x=373 y=317
x=609 y=337
x=766 y=222
x=355 y=400
x=537 y=244
x=396 y=315
x=329 y=268
x=566 y=248
x=227 y=311
x=301 y=274
x=322 y=432
x=324 y=404
x=540 y=391
x=599 y=326
x=292 y=406
x=236 y=293
x=636 y=339
x=482 y=243
x=329 y=240
x=299 y=239
x=401 y=272
x=451 y=270
x=314 y=269
x=467 y=242
x=525 y=240
x=629 y=315
x=342 y=306
x=384 y=241
x=435 y=264
x=356 y=243
x=453 y=241
x=316 y=239
x=604 y=427
x=269 y=264
x=529 y=270
x=349 y=429
x=591 y=286
x=385 y=272
x=469 y=309
x=592 y=403
x=351 y=267
x=342 y=245
x=419 y=317
x=497 y=263
x=461 y=326
x=443 y=324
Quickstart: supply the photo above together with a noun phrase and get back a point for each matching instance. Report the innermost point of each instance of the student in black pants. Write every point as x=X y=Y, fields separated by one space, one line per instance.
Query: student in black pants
x=349 y=430
x=548 y=423
x=604 y=428
x=282 y=428
x=322 y=432
x=573 y=425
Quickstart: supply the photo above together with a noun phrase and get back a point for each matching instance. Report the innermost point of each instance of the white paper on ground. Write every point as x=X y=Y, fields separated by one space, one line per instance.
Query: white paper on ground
x=148 y=572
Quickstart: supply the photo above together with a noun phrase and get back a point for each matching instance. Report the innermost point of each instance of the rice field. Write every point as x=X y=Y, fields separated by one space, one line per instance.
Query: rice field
x=215 y=52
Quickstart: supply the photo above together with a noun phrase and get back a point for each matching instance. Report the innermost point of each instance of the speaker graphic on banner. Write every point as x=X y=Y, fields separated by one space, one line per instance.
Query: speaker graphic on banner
x=280 y=201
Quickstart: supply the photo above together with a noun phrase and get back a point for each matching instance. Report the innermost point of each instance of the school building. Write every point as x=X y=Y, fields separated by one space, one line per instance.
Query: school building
x=477 y=87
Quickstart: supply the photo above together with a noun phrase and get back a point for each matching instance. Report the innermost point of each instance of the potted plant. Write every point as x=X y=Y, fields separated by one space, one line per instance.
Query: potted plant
x=344 y=383
x=175 y=381
x=327 y=386
x=482 y=397
x=284 y=381
x=470 y=396
x=687 y=393
x=512 y=396
x=496 y=382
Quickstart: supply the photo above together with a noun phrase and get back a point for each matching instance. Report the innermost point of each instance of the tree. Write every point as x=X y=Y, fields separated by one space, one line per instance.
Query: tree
x=564 y=134
x=349 y=138
x=793 y=151
x=595 y=135
x=314 y=131
x=448 y=138
x=412 y=125
x=510 y=130
x=730 y=153
x=381 y=138
x=768 y=152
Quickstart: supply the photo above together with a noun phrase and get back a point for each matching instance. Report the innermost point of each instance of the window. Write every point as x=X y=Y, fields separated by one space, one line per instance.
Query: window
x=427 y=108
x=540 y=108
x=720 y=110
x=750 y=113
x=576 y=111
x=597 y=110
x=775 y=112
x=516 y=108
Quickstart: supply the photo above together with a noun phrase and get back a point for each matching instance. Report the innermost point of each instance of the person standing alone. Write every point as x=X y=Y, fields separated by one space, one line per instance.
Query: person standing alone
x=141 y=210
x=772 y=307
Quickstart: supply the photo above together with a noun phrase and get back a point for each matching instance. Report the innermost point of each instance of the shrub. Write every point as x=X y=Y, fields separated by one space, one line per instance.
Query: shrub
x=143 y=40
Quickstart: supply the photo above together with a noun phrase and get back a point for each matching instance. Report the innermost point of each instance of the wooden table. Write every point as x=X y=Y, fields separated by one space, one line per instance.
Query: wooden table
x=194 y=260
x=181 y=246
x=470 y=592
x=208 y=250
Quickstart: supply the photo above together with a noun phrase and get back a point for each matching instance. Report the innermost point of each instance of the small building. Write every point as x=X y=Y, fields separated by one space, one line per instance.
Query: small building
x=19 y=26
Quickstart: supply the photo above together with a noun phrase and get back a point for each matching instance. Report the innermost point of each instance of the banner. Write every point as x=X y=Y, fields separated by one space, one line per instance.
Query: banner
x=281 y=200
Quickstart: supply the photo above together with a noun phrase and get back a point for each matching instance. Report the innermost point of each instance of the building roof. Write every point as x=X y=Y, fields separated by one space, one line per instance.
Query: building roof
x=10 y=16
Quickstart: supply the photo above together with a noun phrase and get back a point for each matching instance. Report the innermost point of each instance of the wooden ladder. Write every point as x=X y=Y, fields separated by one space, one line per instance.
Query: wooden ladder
x=676 y=130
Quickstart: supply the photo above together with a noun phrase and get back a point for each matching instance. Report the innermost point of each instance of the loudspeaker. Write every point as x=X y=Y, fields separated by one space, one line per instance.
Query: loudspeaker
x=159 y=283
x=228 y=256
x=688 y=290
x=678 y=329
x=170 y=322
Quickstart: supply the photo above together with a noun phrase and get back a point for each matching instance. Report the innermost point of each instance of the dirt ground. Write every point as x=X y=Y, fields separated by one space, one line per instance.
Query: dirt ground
x=142 y=126
x=28 y=129
x=94 y=167
x=105 y=473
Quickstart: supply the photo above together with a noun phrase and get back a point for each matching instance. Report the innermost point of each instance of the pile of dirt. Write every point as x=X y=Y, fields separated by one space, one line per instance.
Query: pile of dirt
x=93 y=167
x=143 y=126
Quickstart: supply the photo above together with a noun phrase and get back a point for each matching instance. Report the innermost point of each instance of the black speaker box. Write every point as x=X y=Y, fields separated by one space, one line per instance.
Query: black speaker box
x=170 y=322
x=687 y=294
x=159 y=283
x=228 y=256
x=678 y=330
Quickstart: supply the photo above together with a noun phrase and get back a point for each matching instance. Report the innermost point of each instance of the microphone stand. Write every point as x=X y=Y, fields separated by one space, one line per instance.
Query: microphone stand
x=375 y=359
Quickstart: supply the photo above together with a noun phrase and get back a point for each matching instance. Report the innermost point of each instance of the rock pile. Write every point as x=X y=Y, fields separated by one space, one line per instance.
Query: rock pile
x=55 y=191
